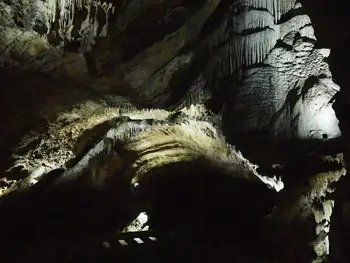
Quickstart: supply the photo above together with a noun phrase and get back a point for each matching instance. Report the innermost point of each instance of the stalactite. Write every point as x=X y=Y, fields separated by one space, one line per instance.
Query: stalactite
x=96 y=22
x=261 y=4
x=67 y=6
x=252 y=19
x=66 y=18
x=276 y=10
x=107 y=8
x=286 y=6
x=275 y=7
x=80 y=3
x=66 y=10
x=53 y=8
x=282 y=7
x=244 y=51
x=245 y=48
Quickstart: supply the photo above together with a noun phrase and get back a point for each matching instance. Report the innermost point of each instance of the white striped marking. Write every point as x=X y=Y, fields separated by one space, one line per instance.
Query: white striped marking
x=138 y=240
x=123 y=242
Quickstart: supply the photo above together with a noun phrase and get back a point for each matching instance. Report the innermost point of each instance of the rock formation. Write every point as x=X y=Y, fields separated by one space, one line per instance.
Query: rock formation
x=100 y=96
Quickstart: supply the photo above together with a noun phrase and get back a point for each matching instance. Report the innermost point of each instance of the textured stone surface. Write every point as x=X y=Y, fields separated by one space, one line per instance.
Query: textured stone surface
x=98 y=65
x=282 y=84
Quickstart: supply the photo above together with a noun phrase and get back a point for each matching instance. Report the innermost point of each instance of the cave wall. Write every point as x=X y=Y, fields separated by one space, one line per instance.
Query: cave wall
x=259 y=55
x=96 y=62
x=285 y=86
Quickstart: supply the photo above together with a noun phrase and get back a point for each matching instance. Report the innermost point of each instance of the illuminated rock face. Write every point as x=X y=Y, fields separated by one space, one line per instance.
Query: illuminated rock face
x=260 y=54
x=290 y=95
x=257 y=56
x=256 y=59
x=283 y=85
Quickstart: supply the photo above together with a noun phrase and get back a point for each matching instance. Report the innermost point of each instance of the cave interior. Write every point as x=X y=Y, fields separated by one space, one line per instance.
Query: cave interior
x=175 y=130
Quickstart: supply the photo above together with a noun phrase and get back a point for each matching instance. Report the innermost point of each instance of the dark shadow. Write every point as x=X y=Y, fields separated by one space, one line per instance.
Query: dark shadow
x=47 y=213
x=196 y=200
x=339 y=233
x=206 y=204
x=282 y=150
